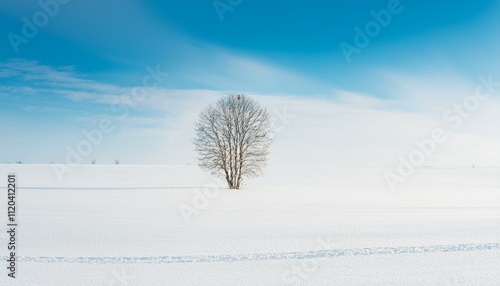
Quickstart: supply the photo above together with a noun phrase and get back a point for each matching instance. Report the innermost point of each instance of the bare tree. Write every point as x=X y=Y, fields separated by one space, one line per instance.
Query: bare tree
x=233 y=138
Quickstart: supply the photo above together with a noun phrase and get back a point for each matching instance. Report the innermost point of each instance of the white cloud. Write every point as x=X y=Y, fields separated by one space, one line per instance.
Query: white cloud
x=429 y=91
x=217 y=68
x=343 y=128
x=322 y=131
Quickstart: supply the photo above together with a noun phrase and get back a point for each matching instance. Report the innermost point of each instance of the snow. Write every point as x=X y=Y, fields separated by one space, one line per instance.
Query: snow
x=298 y=225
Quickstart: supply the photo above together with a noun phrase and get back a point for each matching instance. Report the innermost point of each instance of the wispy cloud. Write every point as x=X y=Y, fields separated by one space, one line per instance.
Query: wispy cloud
x=342 y=127
x=214 y=67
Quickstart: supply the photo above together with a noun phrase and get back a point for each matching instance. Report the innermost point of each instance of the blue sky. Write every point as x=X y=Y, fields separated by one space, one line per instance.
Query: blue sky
x=77 y=68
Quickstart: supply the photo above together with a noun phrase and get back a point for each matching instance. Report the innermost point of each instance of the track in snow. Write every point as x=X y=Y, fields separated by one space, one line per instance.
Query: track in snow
x=265 y=256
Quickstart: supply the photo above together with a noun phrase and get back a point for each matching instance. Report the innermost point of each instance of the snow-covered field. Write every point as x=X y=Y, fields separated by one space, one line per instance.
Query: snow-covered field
x=172 y=225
